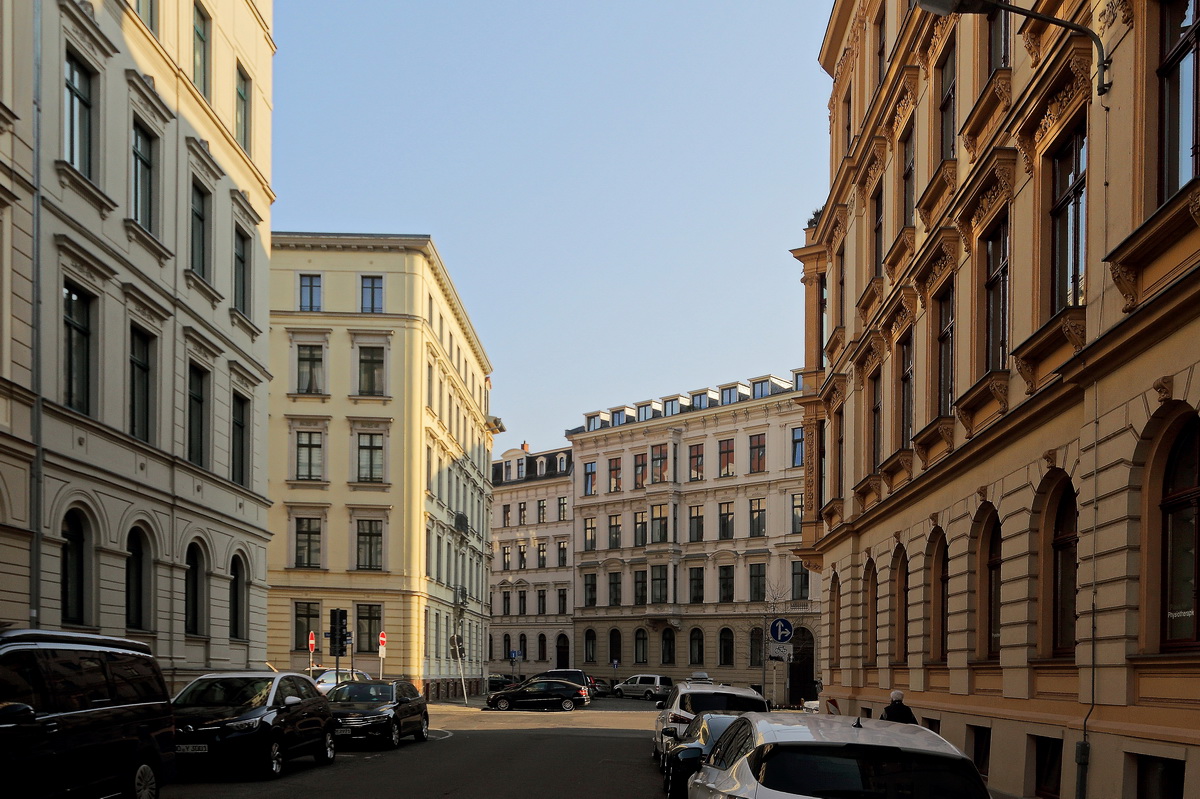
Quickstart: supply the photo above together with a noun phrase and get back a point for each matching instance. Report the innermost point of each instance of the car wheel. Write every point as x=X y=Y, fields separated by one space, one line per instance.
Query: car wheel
x=274 y=764
x=647 y=696
x=618 y=694
x=325 y=755
x=144 y=784
x=503 y=704
x=422 y=734
x=568 y=704
x=393 y=734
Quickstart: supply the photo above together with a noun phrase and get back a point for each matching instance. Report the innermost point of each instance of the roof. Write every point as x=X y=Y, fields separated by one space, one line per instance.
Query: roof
x=708 y=687
x=785 y=727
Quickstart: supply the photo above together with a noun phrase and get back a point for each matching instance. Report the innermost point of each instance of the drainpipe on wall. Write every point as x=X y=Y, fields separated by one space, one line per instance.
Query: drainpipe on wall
x=35 y=373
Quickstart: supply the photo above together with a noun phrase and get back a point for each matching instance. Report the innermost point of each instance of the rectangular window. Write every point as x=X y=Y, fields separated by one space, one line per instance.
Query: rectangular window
x=799 y=580
x=198 y=262
x=614 y=531
x=143 y=177
x=618 y=418
x=758 y=582
x=239 y=441
x=1159 y=778
x=505 y=515
x=308 y=543
x=370 y=371
x=522 y=603
x=797 y=446
x=145 y=9
x=725 y=458
x=877 y=247
x=760 y=389
x=696 y=585
x=905 y=352
x=371 y=296
x=658 y=463
x=1179 y=75
x=980 y=739
x=639 y=528
x=370 y=544
x=823 y=317
x=562 y=509
x=797 y=513
x=658 y=584
x=77 y=116
x=241 y=115
x=908 y=177
x=522 y=556
x=614 y=474
x=589 y=479
x=522 y=514
x=945 y=347
x=505 y=558
x=670 y=407
x=696 y=523
x=758 y=453
x=639 y=587
x=996 y=297
x=696 y=462
x=724 y=583
x=307 y=620
x=541 y=602
x=505 y=603
x=368 y=625
x=310 y=292
x=645 y=412
x=699 y=401
x=310 y=451
x=370 y=457
x=589 y=590
x=947 y=105
x=880 y=48
x=725 y=521
x=658 y=524
x=589 y=535
x=310 y=369
x=1047 y=767
x=729 y=395
x=639 y=470
x=541 y=514
x=758 y=517
x=197 y=419
x=614 y=588
x=140 y=384
x=241 y=272
x=562 y=553
x=201 y=25
x=999 y=56
x=562 y=601
x=541 y=555
x=875 y=397
x=1069 y=223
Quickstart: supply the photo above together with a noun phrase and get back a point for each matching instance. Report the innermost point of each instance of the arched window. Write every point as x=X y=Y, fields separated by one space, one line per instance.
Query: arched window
x=562 y=464
x=491 y=647
x=756 y=647
x=74 y=571
x=988 y=645
x=1180 y=554
x=871 y=625
x=589 y=646
x=614 y=645
x=542 y=647
x=668 y=647
x=523 y=645
x=835 y=620
x=640 y=646
x=696 y=647
x=1064 y=546
x=237 y=599
x=725 y=647
x=900 y=606
x=939 y=593
x=507 y=646
x=137 y=581
x=541 y=467
x=193 y=591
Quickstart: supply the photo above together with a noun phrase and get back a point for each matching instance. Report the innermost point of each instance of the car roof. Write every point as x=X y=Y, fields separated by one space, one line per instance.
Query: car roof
x=800 y=728
x=38 y=636
x=710 y=688
x=271 y=674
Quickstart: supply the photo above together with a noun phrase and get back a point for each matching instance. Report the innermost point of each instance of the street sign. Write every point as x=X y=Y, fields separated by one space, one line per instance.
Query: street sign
x=382 y=639
x=777 y=650
x=781 y=631
x=616 y=663
x=312 y=641
x=514 y=654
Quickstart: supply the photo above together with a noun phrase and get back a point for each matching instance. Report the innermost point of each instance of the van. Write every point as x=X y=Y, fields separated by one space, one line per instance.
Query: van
x=644 y=686
x=82 y=715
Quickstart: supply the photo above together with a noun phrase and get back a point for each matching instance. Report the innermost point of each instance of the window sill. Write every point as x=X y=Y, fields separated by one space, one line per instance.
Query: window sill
x=309 y=568
x=70 y=177
x=134 y=231
x=369 y=486
x=307 y=396
x=242 y=322
x=379 y=399
x=319 y=484
x=201 y=286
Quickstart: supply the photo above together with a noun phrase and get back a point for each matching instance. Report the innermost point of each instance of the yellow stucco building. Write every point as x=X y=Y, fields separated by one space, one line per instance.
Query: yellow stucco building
x=381 y=448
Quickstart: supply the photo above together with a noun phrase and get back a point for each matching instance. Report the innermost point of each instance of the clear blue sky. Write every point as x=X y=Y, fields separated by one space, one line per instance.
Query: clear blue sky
x=614 y=186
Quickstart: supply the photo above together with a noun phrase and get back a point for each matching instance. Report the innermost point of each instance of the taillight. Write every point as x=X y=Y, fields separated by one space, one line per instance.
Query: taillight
x=675 y=718
x=583 y=692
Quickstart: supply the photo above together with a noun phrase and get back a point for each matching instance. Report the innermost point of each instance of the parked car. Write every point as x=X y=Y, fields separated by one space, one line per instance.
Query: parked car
x=600 y=687
x=695 y=696
x=379 y=710
x=328 y=678
x=690 y=747
x=82 y=715
x=577 y=676
x=541 y=694
x=646 y=686
x=497 y=682
x=778 y=755
x=252 y=719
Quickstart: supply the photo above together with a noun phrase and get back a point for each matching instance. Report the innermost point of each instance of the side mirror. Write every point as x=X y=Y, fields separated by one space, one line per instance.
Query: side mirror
x=669 y=732
x=17 y=713
x=688 y=755
x=289 y=701
x=661 y=705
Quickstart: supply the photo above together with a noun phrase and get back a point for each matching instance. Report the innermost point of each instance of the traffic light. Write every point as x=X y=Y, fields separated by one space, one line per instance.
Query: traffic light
x=337 y=632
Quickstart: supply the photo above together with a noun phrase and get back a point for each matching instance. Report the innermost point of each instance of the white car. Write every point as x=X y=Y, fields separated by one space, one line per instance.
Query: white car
x=331 y=677
x=790 y=755
x=693 y=696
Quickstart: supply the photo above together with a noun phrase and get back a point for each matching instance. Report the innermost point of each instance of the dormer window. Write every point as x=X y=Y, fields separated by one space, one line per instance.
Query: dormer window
x=762 y=388
x=729 y=395
x=562 y=463
x=699 y=401
x=670 y=407
x=507 y=471
x=541 y=467
x=521 y=469
x=593 y=422
x=618 y=417
x=644 y=412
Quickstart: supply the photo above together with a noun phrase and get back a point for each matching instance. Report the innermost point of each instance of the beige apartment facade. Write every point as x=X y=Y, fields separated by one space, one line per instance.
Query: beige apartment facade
x=533 y=557
x=381 y=426
x=687 y=510
x=999 y=384
x=133 y=363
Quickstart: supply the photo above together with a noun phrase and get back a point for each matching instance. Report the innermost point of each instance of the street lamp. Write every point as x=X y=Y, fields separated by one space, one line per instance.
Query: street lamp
x=945 y=7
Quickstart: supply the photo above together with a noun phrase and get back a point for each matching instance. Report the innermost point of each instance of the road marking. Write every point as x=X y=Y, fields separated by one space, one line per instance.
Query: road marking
x=448 y=734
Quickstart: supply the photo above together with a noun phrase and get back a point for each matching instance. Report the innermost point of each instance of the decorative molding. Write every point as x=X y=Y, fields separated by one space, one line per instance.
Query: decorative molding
x=1050 y=456
x=981 y=492
x=1075 y=330
x=965 y=419
x=1033 y=45
x=80 y=25
x=1081 y=65
x=1108 y=15
x=8 y=118
x=243 y=376
x=135 y=232
x=1125 y=279
x=202 y=287
x=140 y=304
x=70 y=177
x=200 y=345
x=1165 y=386
x=202 y=162
x=1028 y=374
x=75 y=258
x=242 y=208
x=143 y=96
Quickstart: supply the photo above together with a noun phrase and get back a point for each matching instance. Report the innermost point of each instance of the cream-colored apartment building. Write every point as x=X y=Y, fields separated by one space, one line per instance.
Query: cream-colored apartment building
x=687 y=510
x=135 y=144
x=1000 y=370
x=382 y=440
x=533 y=557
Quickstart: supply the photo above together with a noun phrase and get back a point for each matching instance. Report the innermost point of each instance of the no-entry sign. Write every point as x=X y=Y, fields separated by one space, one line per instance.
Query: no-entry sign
x=312 y=641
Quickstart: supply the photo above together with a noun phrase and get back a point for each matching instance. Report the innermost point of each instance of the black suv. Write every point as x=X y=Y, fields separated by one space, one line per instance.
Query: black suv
x=82 y=715
x=256 y=719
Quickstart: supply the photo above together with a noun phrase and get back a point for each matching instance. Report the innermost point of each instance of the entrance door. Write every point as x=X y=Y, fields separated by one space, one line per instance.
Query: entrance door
x=562 y=653
x=802 y=684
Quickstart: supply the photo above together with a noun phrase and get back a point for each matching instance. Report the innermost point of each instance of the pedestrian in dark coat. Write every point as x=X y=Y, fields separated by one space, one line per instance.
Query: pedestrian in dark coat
x=898 y=711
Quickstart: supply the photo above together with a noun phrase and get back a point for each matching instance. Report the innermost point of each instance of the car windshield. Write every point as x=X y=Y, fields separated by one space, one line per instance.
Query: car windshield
x=361 y=692
x=698 y=703
x=226 y=692
x=853 y=771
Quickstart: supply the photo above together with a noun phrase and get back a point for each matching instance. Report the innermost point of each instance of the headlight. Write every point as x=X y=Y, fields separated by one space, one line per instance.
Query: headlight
x=244 y=724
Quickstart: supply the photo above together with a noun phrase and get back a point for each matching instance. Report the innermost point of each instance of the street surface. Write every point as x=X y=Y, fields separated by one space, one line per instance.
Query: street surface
x=601 y=751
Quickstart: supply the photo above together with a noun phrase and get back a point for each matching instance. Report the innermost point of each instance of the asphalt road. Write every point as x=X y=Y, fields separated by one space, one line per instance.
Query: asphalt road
x=601 y=751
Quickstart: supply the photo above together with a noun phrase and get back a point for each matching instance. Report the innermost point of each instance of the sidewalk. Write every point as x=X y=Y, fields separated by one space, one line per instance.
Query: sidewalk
x=473 y=703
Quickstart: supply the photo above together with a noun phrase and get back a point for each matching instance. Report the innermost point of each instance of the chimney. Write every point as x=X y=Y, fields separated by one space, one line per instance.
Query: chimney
x=525 y=445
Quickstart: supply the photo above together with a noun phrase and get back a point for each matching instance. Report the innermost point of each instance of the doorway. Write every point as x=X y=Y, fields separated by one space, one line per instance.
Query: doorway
x=562 y=652
x=802 y=684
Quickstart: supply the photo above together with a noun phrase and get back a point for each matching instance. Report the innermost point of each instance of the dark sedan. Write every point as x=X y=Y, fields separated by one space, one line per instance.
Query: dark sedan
x=683 y=759
x=252 y=719
x=540 y=694
x=379 y=710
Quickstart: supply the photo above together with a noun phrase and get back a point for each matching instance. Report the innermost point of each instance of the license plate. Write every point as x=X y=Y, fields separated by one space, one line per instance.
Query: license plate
x=193 y=748
x=341 y=731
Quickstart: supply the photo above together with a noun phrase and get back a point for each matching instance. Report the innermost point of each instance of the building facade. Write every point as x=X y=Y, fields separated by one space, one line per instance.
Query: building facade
x=532 y=580
x=135 y=170
x=687 y=510
x=379 y=416
x=999 y=380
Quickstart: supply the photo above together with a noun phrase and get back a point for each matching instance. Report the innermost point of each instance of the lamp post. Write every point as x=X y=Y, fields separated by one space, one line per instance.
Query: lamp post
x=946 y=7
